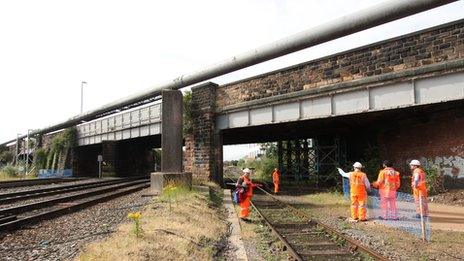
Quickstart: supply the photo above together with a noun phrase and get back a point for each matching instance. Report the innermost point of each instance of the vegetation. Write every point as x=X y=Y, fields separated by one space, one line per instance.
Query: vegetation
x=263 y=165
x=187 y=117
x=9 y=171
x=6 y=156
x=135 y=217
x=193 y=230
x=40 y=159
x=55 y=156
x=435 y=180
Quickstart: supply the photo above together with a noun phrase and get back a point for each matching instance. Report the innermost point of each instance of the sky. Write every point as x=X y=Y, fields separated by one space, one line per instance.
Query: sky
x=47 y=48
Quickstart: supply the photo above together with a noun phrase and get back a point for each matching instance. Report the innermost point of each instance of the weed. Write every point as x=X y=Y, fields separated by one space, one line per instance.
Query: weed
x=135 y=217
x=172 y=192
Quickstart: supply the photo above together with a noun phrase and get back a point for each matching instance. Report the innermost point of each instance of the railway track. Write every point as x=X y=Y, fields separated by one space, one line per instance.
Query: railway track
x=32 y=182
x=73 y=198
x=10 y=197
x=305 y=238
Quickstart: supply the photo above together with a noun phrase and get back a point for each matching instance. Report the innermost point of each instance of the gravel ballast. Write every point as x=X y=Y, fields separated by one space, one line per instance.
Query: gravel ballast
x=62 y=238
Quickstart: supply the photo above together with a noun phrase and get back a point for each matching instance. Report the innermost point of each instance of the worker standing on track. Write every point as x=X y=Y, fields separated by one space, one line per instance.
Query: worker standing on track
x=245 y=182
x=388 y=183
x=359 y=185
x=276 y=180
x=419 y=188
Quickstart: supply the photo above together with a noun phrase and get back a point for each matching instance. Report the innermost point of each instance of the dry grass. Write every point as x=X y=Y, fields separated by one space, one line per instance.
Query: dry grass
x=192 y=230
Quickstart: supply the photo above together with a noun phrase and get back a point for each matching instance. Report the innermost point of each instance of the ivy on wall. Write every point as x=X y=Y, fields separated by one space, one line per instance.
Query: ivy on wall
x=55 y=155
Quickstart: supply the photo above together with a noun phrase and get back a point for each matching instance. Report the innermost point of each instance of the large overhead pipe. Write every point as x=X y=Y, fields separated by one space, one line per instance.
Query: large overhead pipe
x=346 y=25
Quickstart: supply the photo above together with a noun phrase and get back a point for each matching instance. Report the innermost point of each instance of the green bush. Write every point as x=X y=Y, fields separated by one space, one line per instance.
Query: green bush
x=6 y=157
x=40 y=158
x=9 y=171
x=435 y=180
x=265 y=168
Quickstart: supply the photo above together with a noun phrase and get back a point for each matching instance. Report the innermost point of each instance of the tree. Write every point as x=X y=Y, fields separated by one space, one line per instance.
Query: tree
x=6 y=157
x=270 y=149
x=187 y=116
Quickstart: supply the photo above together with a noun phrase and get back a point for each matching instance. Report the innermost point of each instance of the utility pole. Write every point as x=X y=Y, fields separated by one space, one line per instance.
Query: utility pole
x=18 y=147
x=82 y=96
x=26 y=159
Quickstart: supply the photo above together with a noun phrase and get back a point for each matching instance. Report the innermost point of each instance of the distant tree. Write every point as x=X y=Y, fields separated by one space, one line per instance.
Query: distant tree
x=269 y=149
x=6 y=157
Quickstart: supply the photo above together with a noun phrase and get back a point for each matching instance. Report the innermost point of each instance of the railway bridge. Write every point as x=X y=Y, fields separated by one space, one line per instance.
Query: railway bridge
x=401 y=98
x=398 y=99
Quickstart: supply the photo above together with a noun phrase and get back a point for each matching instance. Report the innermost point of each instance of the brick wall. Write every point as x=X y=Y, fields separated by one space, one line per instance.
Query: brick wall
x=202 y=149
x=434 y=45
x=433 y=139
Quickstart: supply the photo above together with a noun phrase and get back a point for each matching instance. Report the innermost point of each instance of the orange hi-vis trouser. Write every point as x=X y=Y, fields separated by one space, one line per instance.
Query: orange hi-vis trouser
x=358 y=206
x=276 y=187
x=388 y=206
x=425 y=206
x=245 y=207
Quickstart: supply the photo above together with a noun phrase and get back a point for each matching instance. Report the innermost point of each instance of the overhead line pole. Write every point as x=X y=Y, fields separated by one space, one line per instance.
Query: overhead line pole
x=343 y=26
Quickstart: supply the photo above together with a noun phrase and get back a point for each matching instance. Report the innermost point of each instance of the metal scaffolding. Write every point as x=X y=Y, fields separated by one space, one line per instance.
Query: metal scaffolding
x=312 y=159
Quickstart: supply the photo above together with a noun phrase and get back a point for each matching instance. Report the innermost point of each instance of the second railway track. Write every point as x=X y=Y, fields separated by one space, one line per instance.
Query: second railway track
x=306 y=239
x=73 y=198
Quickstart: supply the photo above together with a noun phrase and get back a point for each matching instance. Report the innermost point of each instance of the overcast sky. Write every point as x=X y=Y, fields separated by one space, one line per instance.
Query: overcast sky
x=119 y=47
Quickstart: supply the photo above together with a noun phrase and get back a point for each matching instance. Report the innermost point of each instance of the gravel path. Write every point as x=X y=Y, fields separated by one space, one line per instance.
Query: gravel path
x=63 y=237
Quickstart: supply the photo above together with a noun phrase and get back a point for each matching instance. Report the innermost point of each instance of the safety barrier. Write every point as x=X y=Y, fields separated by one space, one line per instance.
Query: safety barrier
x=406 y=219
x=51 y=173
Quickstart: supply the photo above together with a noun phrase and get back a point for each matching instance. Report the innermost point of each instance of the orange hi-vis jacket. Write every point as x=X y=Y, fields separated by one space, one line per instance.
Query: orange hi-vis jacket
x=388 y=180
x=276 y=176
x=358 y=183
x=418 y=182
x=250 y=185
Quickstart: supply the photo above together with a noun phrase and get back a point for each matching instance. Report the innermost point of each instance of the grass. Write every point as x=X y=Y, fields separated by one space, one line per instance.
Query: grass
x=260 y=242
x=5 y=177
x=191 y=230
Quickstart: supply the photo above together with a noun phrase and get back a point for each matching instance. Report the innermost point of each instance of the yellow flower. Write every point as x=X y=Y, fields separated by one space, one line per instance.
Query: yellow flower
x=134 y=215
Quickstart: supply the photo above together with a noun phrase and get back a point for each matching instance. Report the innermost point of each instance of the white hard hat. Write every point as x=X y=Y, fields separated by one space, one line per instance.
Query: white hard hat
x=415 y=163
x=246 y=170
x=357 y=165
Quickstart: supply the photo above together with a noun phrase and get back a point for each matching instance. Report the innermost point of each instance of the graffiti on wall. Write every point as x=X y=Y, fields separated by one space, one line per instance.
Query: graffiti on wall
x=452 y=166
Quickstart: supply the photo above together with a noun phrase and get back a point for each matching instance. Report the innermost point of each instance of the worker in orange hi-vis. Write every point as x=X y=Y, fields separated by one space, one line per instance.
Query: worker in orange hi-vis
x=388 y=183
x=359 y=185
x=276 y=180
x=419 y=188
x=245 y=182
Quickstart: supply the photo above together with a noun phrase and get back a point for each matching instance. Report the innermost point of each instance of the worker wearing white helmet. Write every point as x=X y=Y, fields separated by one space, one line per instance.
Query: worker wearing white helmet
x=247 y=185
x=419 y=188
x=359 y=184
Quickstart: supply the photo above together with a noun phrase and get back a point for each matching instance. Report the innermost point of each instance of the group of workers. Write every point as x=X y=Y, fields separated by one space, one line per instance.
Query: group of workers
x=388 y=183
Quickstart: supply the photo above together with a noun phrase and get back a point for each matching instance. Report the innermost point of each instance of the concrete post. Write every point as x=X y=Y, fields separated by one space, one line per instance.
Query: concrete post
x=171 y=138
x=171 y=143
